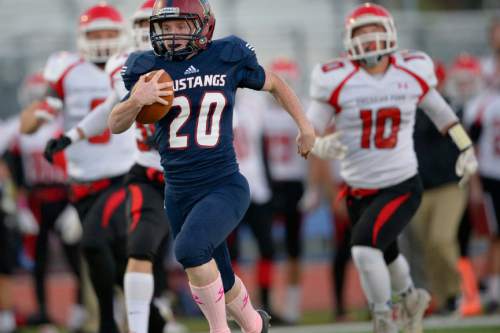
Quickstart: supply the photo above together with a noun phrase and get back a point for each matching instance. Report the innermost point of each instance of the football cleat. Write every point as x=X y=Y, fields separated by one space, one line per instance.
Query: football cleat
x=412 y=310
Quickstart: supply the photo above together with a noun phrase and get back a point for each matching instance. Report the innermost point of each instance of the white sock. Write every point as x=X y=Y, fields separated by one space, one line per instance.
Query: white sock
x=139 y=289
x=400 y=275
x=374 y=276
x=494 y=287
x=293 y=302
x=7 y=321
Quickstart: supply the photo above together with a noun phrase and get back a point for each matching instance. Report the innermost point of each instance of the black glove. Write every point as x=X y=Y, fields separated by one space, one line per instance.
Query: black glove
x=54 y=146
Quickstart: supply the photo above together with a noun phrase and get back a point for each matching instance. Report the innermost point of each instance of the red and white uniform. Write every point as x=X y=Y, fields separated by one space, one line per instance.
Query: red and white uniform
x=248 y=122
x=375 y=114
x=281 y=132
x=9 y=130
x=36 y=169
x=485 y=112
x=147 y=156
x=82 y=86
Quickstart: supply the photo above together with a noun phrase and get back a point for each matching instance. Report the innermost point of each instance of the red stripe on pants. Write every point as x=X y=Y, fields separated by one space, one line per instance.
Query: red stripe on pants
x=114 y=200
x=136 y=205
x=386 y=213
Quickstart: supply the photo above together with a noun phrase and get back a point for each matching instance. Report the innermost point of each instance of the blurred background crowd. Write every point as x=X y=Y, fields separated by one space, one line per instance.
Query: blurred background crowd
x=303 y=265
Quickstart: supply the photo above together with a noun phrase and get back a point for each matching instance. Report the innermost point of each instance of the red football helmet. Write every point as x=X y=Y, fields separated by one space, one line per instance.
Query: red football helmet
x=141 y=33
x=32 y=89
x=98 y=18
x=385 y=42
x=464 y=79
x=200 y=18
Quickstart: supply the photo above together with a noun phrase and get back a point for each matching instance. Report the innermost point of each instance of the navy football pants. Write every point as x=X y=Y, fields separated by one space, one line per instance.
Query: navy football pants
x=203 y=217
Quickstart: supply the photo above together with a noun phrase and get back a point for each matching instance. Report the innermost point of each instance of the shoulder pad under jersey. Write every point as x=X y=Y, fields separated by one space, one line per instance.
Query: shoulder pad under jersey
x=327 y=76
x=419 y=63
x=137 y=64
x=57 y=64
x=235 y=49
x=115 y=63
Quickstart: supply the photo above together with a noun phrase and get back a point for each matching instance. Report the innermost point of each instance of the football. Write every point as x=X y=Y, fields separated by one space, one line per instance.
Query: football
x=150 y=114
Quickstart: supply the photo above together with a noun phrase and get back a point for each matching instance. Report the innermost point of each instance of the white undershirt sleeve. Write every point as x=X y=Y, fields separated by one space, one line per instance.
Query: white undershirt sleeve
x=438 y=110
x=320 y=114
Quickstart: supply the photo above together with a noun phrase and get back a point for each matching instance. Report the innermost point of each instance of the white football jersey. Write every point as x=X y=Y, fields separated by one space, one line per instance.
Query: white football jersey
x=280 y=131
x=82 y=86
x=485 y=110
x=248 y=122
x=375 y=114
x=147 y=156
x=9 y=129
x=37 y=170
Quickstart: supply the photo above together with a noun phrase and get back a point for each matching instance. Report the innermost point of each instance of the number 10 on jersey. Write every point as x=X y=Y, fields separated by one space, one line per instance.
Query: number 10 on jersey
x=383 y=138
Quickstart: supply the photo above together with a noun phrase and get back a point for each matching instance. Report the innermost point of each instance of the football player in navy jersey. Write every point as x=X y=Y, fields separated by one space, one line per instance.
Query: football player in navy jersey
x=205 y=196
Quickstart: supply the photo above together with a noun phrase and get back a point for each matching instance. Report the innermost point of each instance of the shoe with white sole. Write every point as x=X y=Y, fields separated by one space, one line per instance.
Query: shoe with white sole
x=413 y=307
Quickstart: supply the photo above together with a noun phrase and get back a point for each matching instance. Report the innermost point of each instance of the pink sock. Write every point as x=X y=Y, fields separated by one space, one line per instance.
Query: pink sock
x=211 y=301
x=242 y=311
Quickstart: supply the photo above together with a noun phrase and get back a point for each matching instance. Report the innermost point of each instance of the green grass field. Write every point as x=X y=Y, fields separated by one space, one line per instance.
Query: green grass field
x=321 y=322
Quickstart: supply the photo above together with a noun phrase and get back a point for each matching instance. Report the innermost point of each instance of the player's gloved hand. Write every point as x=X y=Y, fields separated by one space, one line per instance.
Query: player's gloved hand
x=149 y=92
x=56 y=145
x=329 y=147
x=466 y=165
x=305 y=141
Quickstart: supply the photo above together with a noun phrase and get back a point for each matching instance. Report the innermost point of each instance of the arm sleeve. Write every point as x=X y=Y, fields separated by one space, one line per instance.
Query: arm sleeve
x=438 y=110
x=320 y=114
x=97 y=120
x=251 y=75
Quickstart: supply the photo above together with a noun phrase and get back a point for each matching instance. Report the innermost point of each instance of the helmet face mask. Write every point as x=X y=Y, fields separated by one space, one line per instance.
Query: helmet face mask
x=379 y=39
x=464 y=79
x=98 y=45
x=140 y=26
x=194 y=22
x=140 y=32
x=100 y=33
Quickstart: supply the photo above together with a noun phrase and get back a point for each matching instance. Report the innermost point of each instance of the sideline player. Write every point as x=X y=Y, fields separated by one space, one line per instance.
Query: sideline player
x=46 y=189
x=373 y=94
x=287 y=173
x=248 y=121
x=483 y=117
x=9 y=129
x=148 y=225
x=98 y=165
x=206 y=196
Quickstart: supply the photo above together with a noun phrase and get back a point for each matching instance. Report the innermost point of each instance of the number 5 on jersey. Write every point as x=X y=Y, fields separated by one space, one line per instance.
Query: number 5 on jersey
x=207 y=131
x=383 y=138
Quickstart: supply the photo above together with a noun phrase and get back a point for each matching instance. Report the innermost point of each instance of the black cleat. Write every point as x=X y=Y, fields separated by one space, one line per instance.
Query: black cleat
x=265 y=321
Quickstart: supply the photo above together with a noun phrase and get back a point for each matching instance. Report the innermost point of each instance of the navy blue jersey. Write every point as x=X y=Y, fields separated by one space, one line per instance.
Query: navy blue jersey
x=195 y=138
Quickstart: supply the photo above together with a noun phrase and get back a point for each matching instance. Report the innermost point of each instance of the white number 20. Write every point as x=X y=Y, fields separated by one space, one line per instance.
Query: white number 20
x=207 y=125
